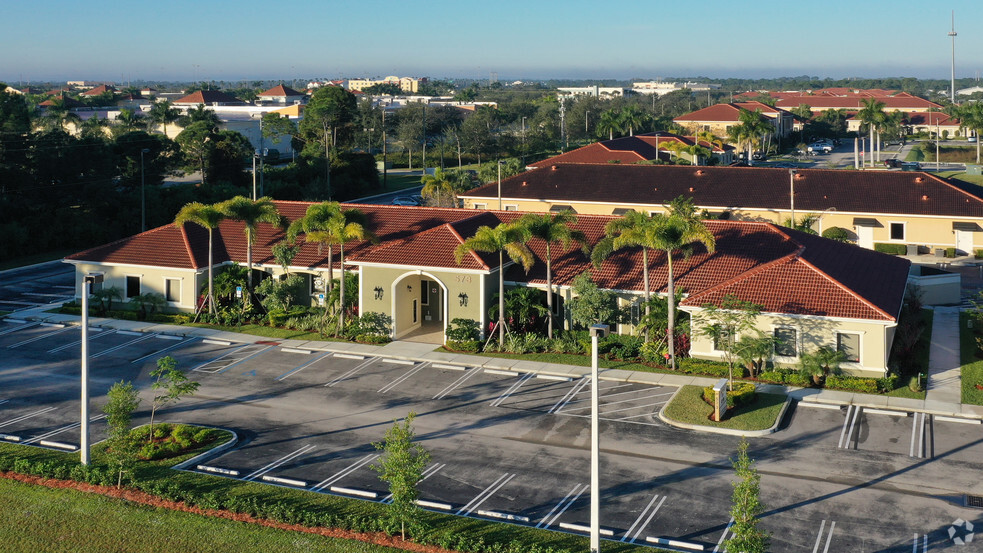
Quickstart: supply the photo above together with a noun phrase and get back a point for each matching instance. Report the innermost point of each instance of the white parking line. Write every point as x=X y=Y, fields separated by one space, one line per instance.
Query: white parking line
x=27 y=416
x=124 y=345
x=485 y=494
x=168 y=348
x=819 y=538
x=570 y=395
x=623 y=401
x=304 y=366
x=350 y=373
x=562 y=506
x=457 y=383
x=852 y=414
x=344 y=472
x=2 y=401
x=723 y=536
x=917 y=426
x=16 y=328
x=270 y=466
x=244 y=359
x=639 y=527
x=200 y=368
x=56 y=431
x=914 y=544
x=512 y=389
x=42 y=337
x=403 y=378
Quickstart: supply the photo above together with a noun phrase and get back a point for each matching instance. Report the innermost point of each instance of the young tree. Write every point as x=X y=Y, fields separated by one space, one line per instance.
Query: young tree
x=121 y=448
x=747 y=506
x=591 y=305
x=723 y=324
x=173 y=385
x=401 y=466
x=821 y=363
x=439 y=189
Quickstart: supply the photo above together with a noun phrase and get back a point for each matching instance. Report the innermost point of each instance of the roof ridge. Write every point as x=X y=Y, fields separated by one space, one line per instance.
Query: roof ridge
x=845 y=288
x=474 y=254
x=187 y=246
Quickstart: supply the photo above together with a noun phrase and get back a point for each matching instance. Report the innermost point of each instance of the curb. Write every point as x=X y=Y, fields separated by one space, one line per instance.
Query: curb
x=213 y=451
x=726 y=431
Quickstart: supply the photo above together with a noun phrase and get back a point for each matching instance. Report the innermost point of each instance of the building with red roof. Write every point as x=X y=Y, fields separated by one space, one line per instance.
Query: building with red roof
x=209 y=98
x=719 y=118
x=642 y=148
x=101 y=89
x=816 y=291
x=281 y=94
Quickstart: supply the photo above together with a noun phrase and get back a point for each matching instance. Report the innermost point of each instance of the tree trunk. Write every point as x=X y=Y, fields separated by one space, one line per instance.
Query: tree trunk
x=648 y=295
x=671 y=331
x=330 y=285
x=341 y=293
x=549 y=292
x=501 y=301
x=872 y=145
x=249 y=259
x=211 y=296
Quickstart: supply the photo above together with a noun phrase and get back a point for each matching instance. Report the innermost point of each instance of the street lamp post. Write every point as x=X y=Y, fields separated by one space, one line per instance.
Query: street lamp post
x=596 y=331
x=791 y=193
x=255 y=155
x=499 y=185
x=87 y=282
x=385 y=172
x=143 y=197
x=523 y=141
x=586 y=121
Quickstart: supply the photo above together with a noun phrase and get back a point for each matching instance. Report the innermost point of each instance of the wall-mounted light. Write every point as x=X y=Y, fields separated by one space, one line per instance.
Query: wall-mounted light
x=409 y=288
x=463 y=299
x=378 y=292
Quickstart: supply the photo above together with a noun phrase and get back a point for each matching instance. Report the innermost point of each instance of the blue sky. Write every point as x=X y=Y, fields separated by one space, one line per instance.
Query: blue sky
x=252 y=39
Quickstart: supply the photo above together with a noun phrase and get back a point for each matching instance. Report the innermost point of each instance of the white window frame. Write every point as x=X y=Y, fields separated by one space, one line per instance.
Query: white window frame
x=798 y=342
x=126 y=285
x=180 y=294
x=511 y=207
x=735 y=336
x=481 y=206
x=860 y=346
x=904 y=231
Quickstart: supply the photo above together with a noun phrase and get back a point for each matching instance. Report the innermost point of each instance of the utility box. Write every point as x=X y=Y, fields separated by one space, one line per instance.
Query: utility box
x=719 y=399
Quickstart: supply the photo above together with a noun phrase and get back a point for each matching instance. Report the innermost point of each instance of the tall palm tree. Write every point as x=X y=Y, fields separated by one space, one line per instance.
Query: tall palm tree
x=871 y=115
x=200 y=113
x=251 y=213
x=439 y=186
x=632 y=229
x=609 y=124
x=208 y=217
x=632 y=117
x=751 y=129
x=971 y=116
x=163 y=113
x=128 y=120
x=505 y=238
x=327 y=223
x=57 y=114
x=553 y=227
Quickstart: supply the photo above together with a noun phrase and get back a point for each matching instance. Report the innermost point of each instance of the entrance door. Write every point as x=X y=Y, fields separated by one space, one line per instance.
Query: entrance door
x=431 y=295
x=964 y=241
x=865 y=237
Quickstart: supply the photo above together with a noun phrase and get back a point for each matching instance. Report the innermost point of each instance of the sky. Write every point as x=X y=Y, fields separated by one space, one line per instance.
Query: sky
x=185 y=40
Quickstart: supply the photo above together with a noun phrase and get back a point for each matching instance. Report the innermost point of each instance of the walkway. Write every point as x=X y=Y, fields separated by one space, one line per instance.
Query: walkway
x=944 y=382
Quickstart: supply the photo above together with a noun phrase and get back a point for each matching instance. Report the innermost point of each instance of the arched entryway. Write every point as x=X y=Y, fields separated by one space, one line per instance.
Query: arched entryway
x=419 y=307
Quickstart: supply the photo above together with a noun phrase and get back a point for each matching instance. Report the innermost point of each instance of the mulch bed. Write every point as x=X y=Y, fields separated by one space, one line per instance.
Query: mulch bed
x=136 y=496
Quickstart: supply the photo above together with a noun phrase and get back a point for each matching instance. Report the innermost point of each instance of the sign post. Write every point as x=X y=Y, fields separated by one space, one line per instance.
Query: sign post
x=719 y=399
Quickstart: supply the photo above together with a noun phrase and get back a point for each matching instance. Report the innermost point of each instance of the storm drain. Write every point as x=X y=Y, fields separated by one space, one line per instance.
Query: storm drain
x=974 y=501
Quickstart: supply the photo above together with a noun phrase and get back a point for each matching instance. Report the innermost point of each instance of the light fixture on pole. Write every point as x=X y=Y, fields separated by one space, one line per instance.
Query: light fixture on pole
x=596 y=332
x=791 y=193
x=87 y=282
x=255 y=155
x=952 y=34
x=499 y=185
x=143 y=197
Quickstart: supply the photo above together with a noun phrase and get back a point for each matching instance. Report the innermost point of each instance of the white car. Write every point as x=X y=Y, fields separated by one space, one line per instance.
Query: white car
x=404 y=200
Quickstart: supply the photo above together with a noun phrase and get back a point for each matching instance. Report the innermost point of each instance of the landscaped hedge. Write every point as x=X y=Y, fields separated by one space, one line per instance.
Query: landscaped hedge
x=853 y=384
x=893 y=249
x=742 y=394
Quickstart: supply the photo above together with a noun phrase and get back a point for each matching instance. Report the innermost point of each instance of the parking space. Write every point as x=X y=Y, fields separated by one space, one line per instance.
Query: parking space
x=617 y=401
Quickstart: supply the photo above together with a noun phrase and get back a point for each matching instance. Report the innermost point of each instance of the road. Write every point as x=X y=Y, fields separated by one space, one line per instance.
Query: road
x=514 y=445
x=42 y=284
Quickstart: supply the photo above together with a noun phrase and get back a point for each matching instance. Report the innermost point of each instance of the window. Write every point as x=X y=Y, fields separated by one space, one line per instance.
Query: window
x=414 y=310
x=481 y=206
x=132 y=286
x=897 y=231
x=786 y=345
x=849 y=344
x=172 y=290
x=724 y=339
x=511 y=208
x=424 y=292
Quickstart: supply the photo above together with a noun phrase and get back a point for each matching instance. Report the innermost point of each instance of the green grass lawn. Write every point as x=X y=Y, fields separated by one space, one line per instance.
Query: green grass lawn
x=972 y=366
x=975 y=180
x=35 y=518
x=396 y=181
x=688 y=407
x=915 y=154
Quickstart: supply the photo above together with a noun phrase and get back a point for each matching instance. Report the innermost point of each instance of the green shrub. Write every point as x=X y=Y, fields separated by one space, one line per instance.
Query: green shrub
x=893 y=249
x=569 y=341
x=852 y=384
x=743 y=393
x=776 y=376
x=653 y=352
x=888 y=383
x=689 y=365
x=950 y=252
x=839 y=234
x=467 y=346
x=373 y=339
x=793 y=378
x=463 y=330
x=619 y=346
x=978 y=254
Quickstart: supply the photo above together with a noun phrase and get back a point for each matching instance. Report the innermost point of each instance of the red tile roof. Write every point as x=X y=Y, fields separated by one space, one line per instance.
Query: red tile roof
x=786 y=271
x=628 y=149
x=816 y=190
x=280 y=90
x=68 y=101
x=208 y=97
x=728 y=112
x=101 y=89
x=906 y=103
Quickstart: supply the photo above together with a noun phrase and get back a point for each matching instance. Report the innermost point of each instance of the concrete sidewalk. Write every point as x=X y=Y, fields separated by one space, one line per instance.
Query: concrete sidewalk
x=944 y=375
x=943 y=405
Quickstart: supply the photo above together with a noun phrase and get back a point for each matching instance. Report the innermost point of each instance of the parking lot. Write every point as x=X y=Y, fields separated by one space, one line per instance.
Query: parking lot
x=512 y=445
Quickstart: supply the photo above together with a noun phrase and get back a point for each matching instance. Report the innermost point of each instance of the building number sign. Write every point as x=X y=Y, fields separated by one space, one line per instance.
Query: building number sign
x=464 y=278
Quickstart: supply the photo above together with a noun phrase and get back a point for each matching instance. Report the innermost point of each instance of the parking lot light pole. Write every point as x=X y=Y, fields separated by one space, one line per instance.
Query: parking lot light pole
x=596 y=331
x=791 y=193
x=499 y=185
x=143 y=196
x=87 y=282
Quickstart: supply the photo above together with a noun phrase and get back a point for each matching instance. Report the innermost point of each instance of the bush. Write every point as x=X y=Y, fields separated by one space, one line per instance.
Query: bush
x=776 y=376
x=893 y=249
x=704 y=367
x=950 y=252
x=619 y=346
x=978 y=254
x=852 y=384
x=467 y=346
x=463 y=330
x=742 y=394
x=839 y=234
x=653 y=352
x=888 y=383
x=799 y=380
x=570 y=341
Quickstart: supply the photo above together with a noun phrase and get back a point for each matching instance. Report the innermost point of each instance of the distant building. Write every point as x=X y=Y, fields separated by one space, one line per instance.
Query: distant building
x=641 y=148
x=661 y=88
x=719 y=118
x=209 y=98
x=67 y=101
x=845 y=98
x=101 y=89
x=595 y=91
x=406 y=84
x=85 y=85
x=282 y=94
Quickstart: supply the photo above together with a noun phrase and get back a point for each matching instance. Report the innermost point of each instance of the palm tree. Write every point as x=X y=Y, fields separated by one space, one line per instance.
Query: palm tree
x=437 y=185
x=58 y=114
x=327 y=223
x=251 y=213
x=504 y=238
x=128 y=120
x=750 y=131
x=200 y=113
x=553 y=227
x=163 y=113
x=872 y=115
x=209 y=217
x=971 y=116
x=632 y=117
x=609 y=124
x=632 y=229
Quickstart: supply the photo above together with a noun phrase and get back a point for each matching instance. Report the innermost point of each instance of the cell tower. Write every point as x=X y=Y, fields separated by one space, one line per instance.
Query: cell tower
x=952 y=34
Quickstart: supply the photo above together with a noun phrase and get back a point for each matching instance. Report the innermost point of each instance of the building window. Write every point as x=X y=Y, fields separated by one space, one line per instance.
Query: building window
x=132 y=286
x=481 y=206
x=415 y=309
x=849 y=345
x=172 y=290
x=897 y=231
x=785 y=342
x=424 y=292
x=511 y=208
x=724 y=339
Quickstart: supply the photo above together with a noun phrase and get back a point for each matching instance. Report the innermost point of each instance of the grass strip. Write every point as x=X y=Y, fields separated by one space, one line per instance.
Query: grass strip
x=688 y=407
x=972 y=366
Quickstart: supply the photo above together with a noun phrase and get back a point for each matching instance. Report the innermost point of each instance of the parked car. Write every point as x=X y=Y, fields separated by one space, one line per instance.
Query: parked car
x=404 y=200
x=817 y=148
x=911 y=166
x=893 y=162
x=758 y=156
